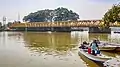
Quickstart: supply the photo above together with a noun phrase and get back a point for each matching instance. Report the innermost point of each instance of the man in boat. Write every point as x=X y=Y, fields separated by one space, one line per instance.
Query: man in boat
x=83 y=45
x=94 y=47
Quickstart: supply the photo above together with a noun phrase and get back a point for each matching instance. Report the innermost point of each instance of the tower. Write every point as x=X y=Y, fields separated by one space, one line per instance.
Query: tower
x=4 y=22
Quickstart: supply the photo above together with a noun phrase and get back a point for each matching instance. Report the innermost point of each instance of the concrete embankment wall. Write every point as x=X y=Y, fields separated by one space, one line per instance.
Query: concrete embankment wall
x=99 y=30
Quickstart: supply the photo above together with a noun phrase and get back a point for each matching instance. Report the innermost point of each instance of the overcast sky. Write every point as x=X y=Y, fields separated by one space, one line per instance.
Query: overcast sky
x=87 y=9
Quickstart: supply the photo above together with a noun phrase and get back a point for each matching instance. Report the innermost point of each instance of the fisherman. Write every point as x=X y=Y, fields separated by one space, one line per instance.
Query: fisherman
x=94 y=47
x=83 y=45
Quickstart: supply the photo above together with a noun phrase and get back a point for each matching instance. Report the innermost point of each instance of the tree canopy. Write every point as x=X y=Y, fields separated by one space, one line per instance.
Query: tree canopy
x=59 y=14
x=112 y=15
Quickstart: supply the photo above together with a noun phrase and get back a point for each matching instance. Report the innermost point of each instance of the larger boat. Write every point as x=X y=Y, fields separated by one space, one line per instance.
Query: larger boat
x=103 y=46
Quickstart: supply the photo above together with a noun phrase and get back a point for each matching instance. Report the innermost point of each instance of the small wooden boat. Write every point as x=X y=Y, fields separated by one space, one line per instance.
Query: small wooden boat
x=101 y=58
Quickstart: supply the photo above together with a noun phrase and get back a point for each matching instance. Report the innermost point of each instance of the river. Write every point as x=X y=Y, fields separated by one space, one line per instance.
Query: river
x=46 y=49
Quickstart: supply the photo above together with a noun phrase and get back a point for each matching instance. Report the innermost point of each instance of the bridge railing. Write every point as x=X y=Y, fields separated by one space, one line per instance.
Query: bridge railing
x=64 y=24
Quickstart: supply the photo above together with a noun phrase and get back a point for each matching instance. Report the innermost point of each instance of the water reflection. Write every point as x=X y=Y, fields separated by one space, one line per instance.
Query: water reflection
x=55 y=43
x=80 y=36
x=115 y=37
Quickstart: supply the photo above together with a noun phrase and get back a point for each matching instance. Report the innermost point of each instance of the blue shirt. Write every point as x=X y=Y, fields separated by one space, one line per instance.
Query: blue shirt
x=93 y=46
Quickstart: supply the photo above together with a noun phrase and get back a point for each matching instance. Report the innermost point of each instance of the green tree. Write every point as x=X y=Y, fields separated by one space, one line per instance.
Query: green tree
x=112 y=15
x=39 y=16
x=63 y=14
x=9 y=24
x=59 y=14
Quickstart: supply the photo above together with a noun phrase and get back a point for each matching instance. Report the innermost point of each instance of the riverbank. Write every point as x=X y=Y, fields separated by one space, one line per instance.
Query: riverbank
x=92 y=30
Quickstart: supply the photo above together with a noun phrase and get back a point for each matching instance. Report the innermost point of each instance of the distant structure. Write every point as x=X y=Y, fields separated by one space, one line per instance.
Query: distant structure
x=4 y=21
x=4 y=24
x=93 y=26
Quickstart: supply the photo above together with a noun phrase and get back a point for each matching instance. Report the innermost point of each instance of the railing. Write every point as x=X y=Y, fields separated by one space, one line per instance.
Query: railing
x=87 y=23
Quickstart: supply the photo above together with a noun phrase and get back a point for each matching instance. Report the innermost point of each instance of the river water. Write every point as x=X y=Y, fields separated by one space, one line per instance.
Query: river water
x=46 y=49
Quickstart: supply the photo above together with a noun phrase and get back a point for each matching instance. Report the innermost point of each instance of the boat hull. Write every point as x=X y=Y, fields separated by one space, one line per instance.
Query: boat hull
x=92 y=57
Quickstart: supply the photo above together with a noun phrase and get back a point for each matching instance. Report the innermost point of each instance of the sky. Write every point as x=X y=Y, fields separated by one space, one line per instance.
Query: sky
x=87 y=9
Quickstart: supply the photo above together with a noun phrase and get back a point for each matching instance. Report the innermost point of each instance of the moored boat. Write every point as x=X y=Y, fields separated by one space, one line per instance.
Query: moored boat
x=103 y=46
x=99 y=58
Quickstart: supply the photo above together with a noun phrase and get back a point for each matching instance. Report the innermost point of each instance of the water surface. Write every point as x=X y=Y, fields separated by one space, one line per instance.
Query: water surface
x=42 y=49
